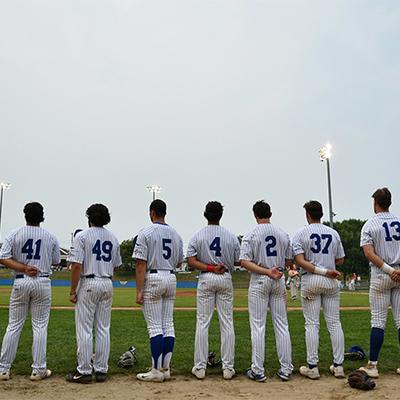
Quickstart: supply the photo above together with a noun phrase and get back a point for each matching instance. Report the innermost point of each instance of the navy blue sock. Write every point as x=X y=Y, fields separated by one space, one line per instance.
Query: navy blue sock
x=311 y=366
x=337 y=365
x=375 y=344
x=156 y=347
x=169 y=342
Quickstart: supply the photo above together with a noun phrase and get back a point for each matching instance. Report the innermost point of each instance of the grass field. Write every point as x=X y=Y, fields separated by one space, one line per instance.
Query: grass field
x=125 y=297
x=128 y=328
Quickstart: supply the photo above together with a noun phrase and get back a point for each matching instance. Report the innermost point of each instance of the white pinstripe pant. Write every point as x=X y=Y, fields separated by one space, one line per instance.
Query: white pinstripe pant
x=264 y=292
x=384 y=292
x=158 y=303
x=317 y=291
x=34 y=295
x=93 y=310
x=214 y=290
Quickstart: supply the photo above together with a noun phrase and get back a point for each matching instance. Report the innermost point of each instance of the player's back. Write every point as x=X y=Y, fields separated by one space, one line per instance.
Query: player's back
x=267 y=245
x=161 y=246
x=320 y=244
x=32 y=245
x=214 y=244
x=97 y=249
x=383 y=232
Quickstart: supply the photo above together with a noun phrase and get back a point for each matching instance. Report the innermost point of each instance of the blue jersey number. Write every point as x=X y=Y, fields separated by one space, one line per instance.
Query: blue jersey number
x=396 y=226
x=32 y=250
x=318 y=243
x=166 y=249
x=270 y=248
x=102 y=250
x=216 y=246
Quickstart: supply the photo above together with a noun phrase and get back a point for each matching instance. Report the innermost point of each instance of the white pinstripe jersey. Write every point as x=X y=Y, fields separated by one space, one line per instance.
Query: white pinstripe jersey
x=214 y=244
x=266 y=245
x=383 y=232
x=32 y=245
x=161 y=246
x=97 y=249
x=320 y=244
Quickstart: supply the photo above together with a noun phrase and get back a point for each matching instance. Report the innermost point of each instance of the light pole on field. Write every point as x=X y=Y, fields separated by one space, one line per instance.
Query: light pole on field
x=154 y=189
x=325 y=153
x=3 y=186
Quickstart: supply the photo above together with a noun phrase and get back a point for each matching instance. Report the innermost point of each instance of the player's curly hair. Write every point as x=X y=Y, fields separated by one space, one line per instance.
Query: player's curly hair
x=213 y=211
x=383 y=198
x=262 y=209
x=314 y=209
x=98 y=215
x=159 y=207
x=34 y=213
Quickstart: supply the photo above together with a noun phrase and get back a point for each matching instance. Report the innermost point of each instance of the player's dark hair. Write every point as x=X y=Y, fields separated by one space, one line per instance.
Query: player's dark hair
x=314 y=209
x=383 y=198
x=213 y=211
x=34 y=213
x=159 y=207
x=262 y=209
x=98 y=215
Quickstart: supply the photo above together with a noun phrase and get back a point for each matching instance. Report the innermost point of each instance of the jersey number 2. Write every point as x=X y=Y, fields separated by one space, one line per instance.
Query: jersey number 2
x=32 y=251
x=100 y=248
x=271 y=243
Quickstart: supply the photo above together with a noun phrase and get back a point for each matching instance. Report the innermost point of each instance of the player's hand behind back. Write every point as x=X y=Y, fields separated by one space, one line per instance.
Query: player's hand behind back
x=275 y=273
x=220 y=269
x=333 y=274
x=31 y=271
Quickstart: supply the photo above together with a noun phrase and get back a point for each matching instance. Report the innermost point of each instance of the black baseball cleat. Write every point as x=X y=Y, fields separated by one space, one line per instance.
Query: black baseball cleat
x=77 y=377
x=100 y=376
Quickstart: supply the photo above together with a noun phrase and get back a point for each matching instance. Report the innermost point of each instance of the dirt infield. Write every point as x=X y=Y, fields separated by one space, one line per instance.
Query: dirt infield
x=187 y=388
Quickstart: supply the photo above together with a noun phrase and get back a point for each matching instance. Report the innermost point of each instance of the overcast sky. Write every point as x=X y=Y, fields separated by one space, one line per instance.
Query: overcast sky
x=212 y=100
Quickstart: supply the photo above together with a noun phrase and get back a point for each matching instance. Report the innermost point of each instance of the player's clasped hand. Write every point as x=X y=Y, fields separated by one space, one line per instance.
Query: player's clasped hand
x=395 y=275
x=275 y=273
x=31 y=271
x=220 y=269
x=333 y=274
x=139 y=297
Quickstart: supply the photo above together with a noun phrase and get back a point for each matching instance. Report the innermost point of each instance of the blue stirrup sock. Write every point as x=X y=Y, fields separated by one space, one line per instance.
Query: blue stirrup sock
x=156 y=347
x=169 y=342
x=375 y=344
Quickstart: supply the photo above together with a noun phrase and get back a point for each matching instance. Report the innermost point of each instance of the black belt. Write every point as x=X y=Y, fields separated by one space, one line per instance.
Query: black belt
x=91 y=276
x=155 y=271
x=21 y=276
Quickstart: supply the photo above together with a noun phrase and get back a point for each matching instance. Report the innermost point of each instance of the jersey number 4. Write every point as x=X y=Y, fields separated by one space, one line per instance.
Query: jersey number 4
x=216 y=246
x=396 y=226
x=102 y=250
x=318 y=243
x=32 y=250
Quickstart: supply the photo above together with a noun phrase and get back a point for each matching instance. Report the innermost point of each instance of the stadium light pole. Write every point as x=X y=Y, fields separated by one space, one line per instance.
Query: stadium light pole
x=325 y=153
x=154 y=189
x=3 y=186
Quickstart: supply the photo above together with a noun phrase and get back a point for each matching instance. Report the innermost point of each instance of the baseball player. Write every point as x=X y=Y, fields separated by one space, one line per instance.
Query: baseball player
x=265 y=251
x=318 y=250
x=94 y=255
x=158 y=251
x=214 y=251
x=30 y=251
x=380 y=240
x=293 y=281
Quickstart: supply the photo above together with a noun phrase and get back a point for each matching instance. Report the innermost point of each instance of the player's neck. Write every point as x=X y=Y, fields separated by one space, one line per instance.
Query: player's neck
x=314 y=221
x=213 y=223
x=263 y=220
x=28 y=224
x=159 y=220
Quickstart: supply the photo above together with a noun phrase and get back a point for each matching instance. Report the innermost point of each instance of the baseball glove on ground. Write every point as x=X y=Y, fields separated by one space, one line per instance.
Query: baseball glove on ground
x=128 y=359
x=212 y=361
x=355 y=353
x=360 y=380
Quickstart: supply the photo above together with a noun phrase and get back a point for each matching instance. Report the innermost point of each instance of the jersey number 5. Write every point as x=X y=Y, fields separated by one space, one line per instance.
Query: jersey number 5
x=100 y=248
x=166 y=249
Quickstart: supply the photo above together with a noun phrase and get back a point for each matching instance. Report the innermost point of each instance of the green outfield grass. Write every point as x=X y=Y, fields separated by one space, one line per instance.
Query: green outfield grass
x=125 y=297
x=128 y=328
